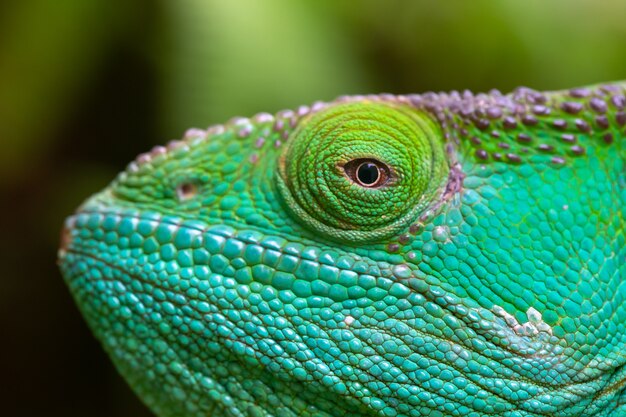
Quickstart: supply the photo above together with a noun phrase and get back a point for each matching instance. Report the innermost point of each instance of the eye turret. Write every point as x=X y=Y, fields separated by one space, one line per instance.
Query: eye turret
x=362 y=171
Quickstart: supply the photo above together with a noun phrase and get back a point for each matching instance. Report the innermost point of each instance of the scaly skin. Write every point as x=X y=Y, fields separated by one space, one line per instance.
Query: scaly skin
x=245 y=271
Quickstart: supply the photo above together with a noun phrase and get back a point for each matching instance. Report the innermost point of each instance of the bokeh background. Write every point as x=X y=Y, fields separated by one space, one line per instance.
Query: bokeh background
x=86 y=85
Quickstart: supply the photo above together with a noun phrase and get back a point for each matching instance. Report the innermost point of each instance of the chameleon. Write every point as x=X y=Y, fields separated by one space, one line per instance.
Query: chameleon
x=436 y=254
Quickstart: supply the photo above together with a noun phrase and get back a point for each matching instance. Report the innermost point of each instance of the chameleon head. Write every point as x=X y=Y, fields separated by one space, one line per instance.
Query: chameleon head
x=354 y=258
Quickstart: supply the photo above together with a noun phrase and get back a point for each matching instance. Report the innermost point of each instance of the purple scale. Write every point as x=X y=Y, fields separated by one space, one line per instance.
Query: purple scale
x=579 y=92
x=602 y=121
x=494 y=112
x=582 y=125
x=513 y=157
x=529 y=120
x=571 y=107
x=598 y=105
x=481 y=154
x=619 y=101
x=509 y=122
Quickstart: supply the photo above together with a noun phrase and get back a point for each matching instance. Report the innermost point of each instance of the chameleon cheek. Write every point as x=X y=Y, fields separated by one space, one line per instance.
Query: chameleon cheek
x=362 y=171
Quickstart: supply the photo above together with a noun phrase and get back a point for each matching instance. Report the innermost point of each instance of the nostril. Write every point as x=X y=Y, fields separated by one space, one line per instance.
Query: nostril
x=186 y=190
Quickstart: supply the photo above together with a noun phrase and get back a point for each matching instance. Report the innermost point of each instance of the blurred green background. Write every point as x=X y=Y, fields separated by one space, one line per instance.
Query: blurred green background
x=87 y=85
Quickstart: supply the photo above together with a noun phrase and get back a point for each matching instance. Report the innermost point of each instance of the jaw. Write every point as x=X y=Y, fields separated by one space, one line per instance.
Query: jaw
x=201 y=318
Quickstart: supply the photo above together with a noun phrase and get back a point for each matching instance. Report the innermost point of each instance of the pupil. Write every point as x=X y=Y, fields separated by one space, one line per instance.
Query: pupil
x=367 y=173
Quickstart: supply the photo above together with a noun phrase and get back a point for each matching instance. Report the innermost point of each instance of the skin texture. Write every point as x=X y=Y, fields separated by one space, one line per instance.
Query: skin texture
x=245 y=271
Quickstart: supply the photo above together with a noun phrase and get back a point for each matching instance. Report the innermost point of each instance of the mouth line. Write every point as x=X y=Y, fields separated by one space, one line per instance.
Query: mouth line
x=227 y=233
x=76 y=249
x=145 y=316
x=545 y=386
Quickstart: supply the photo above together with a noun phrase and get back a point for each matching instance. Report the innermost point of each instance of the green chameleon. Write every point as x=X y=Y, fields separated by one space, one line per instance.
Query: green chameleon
x=419 y=255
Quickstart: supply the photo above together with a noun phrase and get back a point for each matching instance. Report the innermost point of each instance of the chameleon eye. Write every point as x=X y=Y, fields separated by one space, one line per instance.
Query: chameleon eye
x=362 y=171
x=368 y=173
